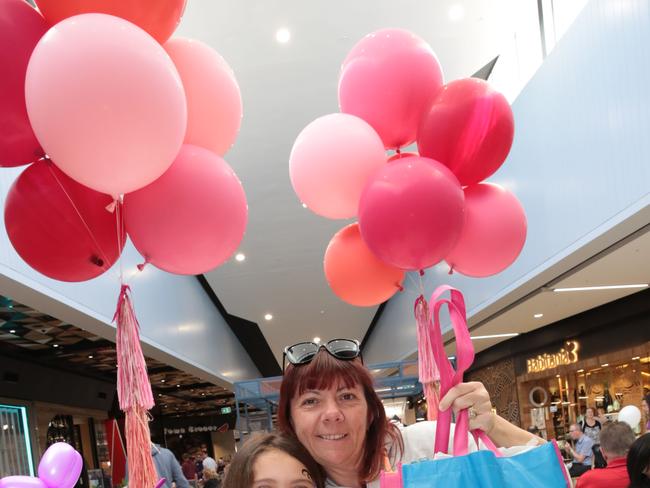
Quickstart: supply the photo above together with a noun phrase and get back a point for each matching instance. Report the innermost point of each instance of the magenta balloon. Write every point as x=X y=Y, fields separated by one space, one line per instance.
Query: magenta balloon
x=389 y=79
x=493 y=234
x=192 y=218
x=60 y=466
x=411 y=213
x=331 y=161
x=21 y=27
x=469 y=128
x=21 y=482
x=106 y=102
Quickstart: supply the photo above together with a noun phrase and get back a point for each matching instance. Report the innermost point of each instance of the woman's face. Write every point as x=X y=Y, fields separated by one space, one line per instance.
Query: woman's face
x=277 y=469
x=644 y=407
x=590 y=413
x=332 y=425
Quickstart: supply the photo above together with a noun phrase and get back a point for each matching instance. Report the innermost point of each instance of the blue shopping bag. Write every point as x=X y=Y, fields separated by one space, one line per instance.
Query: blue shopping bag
x=537 y=468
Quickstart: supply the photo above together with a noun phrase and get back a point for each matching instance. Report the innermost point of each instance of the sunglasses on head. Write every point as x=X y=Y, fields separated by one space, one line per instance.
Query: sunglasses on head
x=305 y=352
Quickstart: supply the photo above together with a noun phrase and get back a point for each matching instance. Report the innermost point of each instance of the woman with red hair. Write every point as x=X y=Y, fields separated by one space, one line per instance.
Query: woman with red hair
x=327 y=401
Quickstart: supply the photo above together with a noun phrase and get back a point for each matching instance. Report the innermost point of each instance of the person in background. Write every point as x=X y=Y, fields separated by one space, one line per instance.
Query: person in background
x=645 y=408
x=638 y=462
x=168 y=467
x=582 y=453
x=602 y=418
x=208 y=462
x=210 y=479
x=591 y=426
x=273 y=460
x=616 y=438
x=198 y=463
x=189 y=466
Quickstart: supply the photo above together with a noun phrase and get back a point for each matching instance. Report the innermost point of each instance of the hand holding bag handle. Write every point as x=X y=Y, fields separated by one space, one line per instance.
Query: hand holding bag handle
x=450 y=377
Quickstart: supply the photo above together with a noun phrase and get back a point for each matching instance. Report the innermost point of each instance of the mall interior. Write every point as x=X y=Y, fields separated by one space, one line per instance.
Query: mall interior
x=566 y=327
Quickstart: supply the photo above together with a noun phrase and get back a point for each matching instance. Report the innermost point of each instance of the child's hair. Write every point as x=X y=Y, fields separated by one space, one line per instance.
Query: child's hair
x=240 y=471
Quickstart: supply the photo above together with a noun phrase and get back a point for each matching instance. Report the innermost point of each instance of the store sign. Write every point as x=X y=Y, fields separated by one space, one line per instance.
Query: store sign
x=192 y=429
x=567 y=355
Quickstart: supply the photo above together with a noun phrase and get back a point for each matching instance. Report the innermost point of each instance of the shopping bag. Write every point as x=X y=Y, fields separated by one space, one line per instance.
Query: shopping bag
x=535 y=468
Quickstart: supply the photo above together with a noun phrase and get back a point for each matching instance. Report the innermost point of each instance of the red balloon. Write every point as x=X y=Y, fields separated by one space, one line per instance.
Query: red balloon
x=355 y=274
x=59 y=227
x=158 y=17
x=469 y=128
x=389 y=79
x=192 y=218
x=411 y=213
x=21 y=27
x=494 y=232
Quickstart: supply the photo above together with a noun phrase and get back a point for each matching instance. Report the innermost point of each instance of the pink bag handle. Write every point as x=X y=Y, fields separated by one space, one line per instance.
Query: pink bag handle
x=450 y=377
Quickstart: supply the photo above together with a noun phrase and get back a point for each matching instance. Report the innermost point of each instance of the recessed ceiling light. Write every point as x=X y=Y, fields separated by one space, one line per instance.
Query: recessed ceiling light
x=202 y=394
x=12 y=331
x=581 y=371
x=55 y=345
x=178 y=386
x=5 y=427
x=604 y=365
x=283 y=35
x=304 y=205
x=240 y=257
x=268 y=316
x=317 y=340
x=496 y=336
x=538 y=315
x=603 y=287
x=636 y=358
x=162 y=381
x=90 y=356
x=456 y=12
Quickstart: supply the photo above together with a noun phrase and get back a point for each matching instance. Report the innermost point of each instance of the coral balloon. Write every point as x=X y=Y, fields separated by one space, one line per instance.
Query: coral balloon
x=21 y=481
x=60 y=466
x=469 y=128
x=21 y=27
x=331 y=161
x=389 y=79
x=158 y=17
x=355 y=274
x=192 y=218
x=106 y=102
x=493 y=234
x=411 y=213
x=59 y=227
x=214 y=107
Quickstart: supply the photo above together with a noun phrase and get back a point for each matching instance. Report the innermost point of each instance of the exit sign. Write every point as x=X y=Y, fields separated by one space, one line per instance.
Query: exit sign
x=225 y=410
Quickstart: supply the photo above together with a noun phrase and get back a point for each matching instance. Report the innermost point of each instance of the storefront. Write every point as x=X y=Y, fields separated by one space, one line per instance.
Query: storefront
x=548 y=377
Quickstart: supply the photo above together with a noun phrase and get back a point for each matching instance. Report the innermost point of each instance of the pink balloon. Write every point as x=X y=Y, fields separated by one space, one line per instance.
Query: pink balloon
x=494 y=232
x=60 y=466
x=21 y=482
x=411 y=213
x=389 y=79
x=106 y=102
x=469 y=128
x=21 y=27
x=331 y=161
x=192 y=218
x=214 y=107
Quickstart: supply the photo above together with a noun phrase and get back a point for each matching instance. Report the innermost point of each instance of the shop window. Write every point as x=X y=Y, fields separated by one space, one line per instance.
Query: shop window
x=15 y=446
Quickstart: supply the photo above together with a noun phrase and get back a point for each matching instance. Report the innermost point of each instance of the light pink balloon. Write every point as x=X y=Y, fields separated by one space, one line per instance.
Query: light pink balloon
x=494 y=232
x=214 y=106
x=331 y=161
x=60 y=466
x=192 y=218
x=411 y=213
x=105 y=102
x=389 y=79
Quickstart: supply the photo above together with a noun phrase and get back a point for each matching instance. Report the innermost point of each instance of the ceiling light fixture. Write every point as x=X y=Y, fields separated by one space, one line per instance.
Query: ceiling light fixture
x=268 y=316
x=317 y=340
x=55 y=345
x=304 y=205
x=636 y=358
x=495 y=336
x=162 y=381
x=538 y=315
x=12 y=331
x=604 y=365
x=178 y=386
x=90 y=356
x=283 y=35
x=240 y=257
x=603 y=287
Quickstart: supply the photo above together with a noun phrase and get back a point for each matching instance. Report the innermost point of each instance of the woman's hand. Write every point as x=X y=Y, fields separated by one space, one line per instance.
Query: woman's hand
x=474 y=396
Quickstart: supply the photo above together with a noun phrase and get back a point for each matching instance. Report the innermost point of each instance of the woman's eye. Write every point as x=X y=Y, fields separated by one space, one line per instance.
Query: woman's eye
x=348 y=396
x=309 y=401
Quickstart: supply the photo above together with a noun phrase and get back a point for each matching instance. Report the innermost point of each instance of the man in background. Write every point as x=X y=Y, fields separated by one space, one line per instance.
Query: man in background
x=582 y=452
x=168 y=467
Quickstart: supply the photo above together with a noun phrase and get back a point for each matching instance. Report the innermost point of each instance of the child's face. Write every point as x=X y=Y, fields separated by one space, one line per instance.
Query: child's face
x=276 y=469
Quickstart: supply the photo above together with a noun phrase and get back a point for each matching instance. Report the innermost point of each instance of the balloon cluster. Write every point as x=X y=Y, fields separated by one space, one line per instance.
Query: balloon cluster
x=413 y=209
x=114 y=114
x=60 y=467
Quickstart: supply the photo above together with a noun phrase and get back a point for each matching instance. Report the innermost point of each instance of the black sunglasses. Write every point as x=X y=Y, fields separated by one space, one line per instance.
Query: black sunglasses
x=305 y=352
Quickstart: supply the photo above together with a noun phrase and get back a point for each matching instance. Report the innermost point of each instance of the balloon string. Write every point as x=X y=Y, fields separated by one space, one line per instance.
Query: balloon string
x=106 y=262
x=119 y=221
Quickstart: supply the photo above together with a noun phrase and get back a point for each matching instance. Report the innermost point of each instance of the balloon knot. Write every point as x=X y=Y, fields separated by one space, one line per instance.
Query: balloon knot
x=421 y=272
x=97 y=261
x=111 y=206
x=451 y=270
x=142 y=265
x=398 y=151
x=400 y=287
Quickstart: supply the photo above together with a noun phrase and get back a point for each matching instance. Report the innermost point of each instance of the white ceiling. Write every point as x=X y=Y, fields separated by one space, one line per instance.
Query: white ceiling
x=286 y=86
x=627 y=263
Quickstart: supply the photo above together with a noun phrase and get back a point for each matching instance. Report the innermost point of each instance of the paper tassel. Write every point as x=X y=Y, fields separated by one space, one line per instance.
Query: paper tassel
x=427 y=369
x=134 y=394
